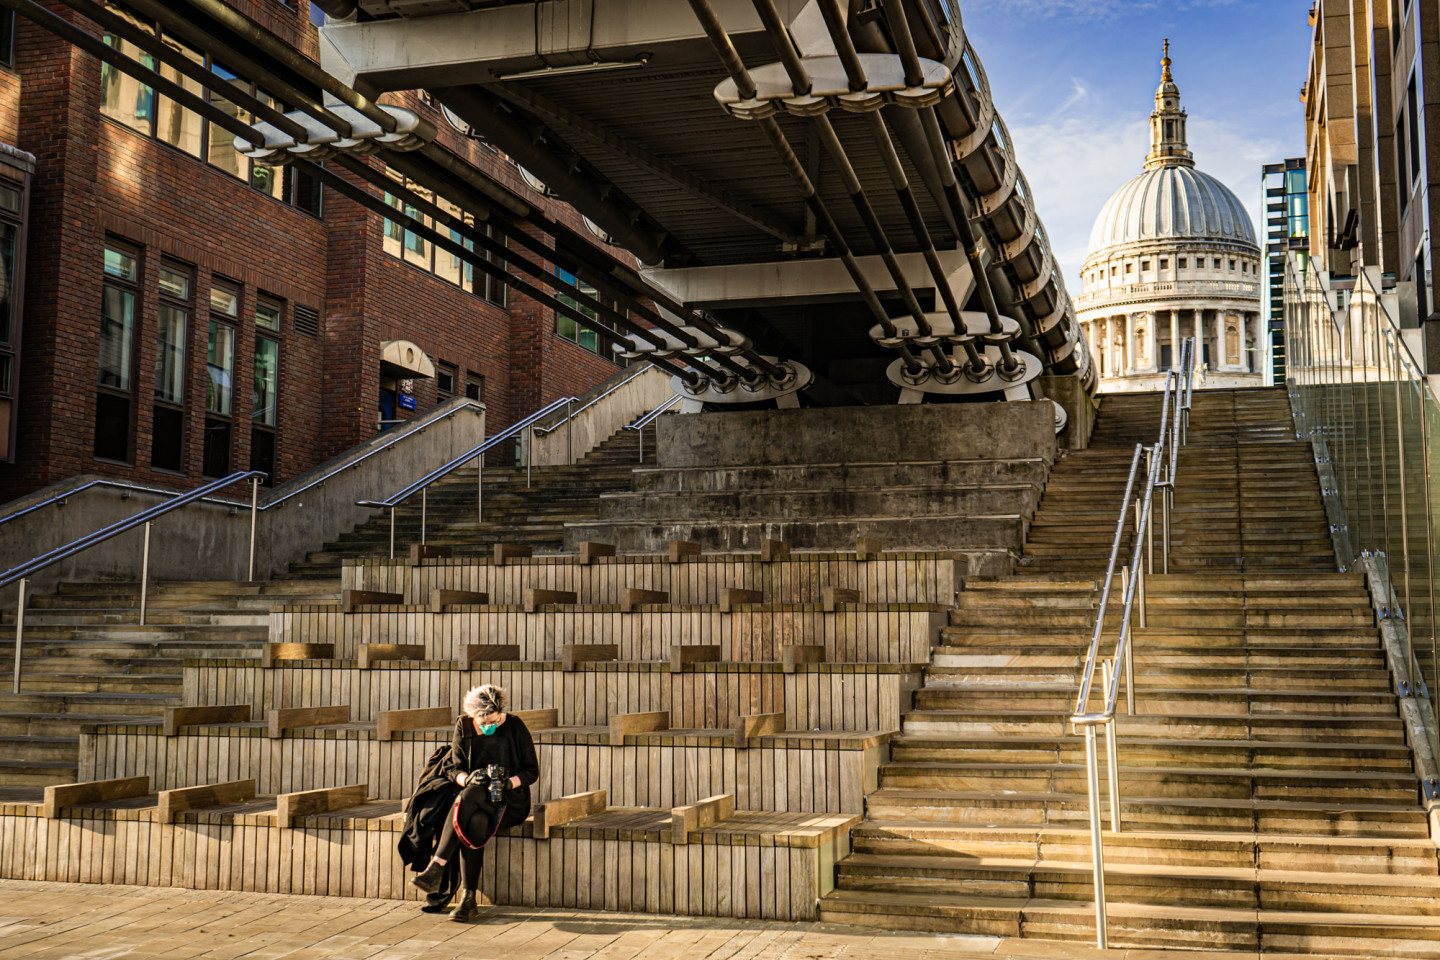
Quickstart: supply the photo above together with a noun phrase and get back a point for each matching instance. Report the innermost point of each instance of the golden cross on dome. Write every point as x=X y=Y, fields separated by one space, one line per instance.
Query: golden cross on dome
x=1165 y=62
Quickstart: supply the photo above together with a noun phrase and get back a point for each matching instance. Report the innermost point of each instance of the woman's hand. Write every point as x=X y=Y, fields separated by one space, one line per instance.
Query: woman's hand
x=515 y=783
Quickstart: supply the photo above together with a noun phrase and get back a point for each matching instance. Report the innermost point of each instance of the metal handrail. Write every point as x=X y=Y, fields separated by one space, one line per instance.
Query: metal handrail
x=631 y=374
x=394 y=437
x=648 y=418
x=1160 y=474
x=146 y=518
x=475 y=454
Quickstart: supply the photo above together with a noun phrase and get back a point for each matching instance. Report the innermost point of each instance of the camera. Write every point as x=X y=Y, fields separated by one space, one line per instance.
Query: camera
x=494 y=775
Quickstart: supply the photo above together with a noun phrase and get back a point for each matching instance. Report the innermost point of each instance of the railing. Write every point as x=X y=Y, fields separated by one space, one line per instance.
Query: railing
x=25 y=571
x=474 y=455
x=646 y=419
x=1160 y=473
x=1187 y=287
x=1363 y=401
x=572 y=411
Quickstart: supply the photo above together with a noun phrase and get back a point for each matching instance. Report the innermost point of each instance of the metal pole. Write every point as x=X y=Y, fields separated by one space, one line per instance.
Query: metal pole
x=480 y=489
x=1097 y=855
x=569 y=422
x=144 y=575
x=1165 y=501
x=424 y=512
x=641 y=431
x=392 y=533
x=19 y=635
x=254 y=502
x=529 y=448
x=1112 y=765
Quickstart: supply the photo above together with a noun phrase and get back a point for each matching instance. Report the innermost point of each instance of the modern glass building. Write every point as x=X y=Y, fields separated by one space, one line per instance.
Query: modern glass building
x=1287 y=228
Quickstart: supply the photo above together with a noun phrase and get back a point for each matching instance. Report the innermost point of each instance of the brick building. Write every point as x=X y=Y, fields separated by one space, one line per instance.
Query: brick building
x=173 y=310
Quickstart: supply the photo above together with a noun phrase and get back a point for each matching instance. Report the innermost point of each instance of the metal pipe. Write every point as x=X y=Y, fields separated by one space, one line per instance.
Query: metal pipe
x=569 y=424
x=144 y=574
x=904 y=43
x=19 y=636
x=480 y=490
x=1130 y=659
x=392 y=533
x=254 y=509
x=1112 y=764
x=1097 y=854
x=424 y=513
x=529 y=455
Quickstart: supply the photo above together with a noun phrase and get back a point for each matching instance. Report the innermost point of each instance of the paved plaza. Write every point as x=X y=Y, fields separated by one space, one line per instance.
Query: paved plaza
x=60 y=921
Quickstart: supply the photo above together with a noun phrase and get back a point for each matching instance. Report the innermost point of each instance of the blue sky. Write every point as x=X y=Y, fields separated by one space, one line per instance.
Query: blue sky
x=1075 y=81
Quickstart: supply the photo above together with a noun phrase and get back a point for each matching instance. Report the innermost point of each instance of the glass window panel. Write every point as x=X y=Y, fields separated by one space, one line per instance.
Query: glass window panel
x=267 y=179
x=417 y=248
x=306 y=192
x=588 y=340
x=7 y=277
x=222 y=152
x=117 y=327
x=9 y=199
x=170 y=353
x=122 y=97
x=225 y=300
x=119 y=264
x=565 y=326
x=267 y=315
x=174 y=283
x=220 y=368
x=266 y=382
x=173 y=123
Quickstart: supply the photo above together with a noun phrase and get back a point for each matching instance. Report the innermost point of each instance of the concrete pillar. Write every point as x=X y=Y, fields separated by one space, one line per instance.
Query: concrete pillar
x=1244 y=353
x=1132 y=361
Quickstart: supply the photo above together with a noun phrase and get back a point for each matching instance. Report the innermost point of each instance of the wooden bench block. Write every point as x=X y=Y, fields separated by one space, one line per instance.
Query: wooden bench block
x=282 y=720
x=291 y=806
x=730 y=597
x=63 y=795
x=440 y=599
x=626 y=723
x=546 y=719
x=507 y=551
x=350 y=599
x=590 y=551
x=536 y=598
x=391 y=722
x=273 y=653
x=573 y=653
x=757 y=725
x=683 y=653
x=205 y=795
x=575 y=806
x=867 y=548
x=420 y=552
x=698 y=816
x=793 y=654
x=773 y=550
x=632 y=597
x=177 y=717
x=373 y=653
x=487 y=652
x=680 y=549
x=831 y=597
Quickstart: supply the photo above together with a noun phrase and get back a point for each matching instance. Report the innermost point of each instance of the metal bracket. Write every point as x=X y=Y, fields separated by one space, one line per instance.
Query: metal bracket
x=1430 y=786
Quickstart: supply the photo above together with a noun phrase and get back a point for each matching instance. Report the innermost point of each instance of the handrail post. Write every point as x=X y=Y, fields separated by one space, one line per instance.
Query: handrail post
x=529 y=453
x=19 y=635
x=392 y=533
x=254 y=505
x=480 y=489
x=145 y=574
x=569 y=431
x=424 y=512
x=641 y=431
x=1112 y=763
x=1097 y=855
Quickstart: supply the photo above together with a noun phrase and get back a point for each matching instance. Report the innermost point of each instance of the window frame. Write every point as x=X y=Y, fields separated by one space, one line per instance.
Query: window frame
x=132 y=287
x=187 y=306
x=11 y=345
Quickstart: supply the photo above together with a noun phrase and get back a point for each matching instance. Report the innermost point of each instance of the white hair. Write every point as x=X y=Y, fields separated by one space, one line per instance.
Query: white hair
x=484 y=699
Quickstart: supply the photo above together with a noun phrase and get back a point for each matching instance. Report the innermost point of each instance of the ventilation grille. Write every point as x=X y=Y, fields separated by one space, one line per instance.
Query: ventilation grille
x=307 y=321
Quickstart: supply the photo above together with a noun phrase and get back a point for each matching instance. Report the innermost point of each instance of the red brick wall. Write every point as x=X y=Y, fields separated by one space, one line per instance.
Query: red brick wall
x=96 y=178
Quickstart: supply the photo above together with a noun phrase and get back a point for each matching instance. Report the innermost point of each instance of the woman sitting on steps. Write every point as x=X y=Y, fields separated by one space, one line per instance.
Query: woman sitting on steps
x=492 y=759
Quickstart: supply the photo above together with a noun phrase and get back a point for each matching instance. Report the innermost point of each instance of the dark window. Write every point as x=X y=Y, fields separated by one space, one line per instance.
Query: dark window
x=7 y=37
x=11 y=240
x=262 y=453
x=1182 y=263
x=1412 y=122
x=444 y=381
x=1165 y=356
x=220 y=379
x=474 y=386
x=1164 y=263
x=172 y=329
x=1402 y=154
x=113 y=413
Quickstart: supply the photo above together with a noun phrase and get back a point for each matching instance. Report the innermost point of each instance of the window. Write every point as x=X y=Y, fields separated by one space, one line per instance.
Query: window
x=267 y=316
x=567 y=327
x=219 y=384
x=167 y=450
x=264 y=407
x=1144 y=264
x=474 y=385
x=1217 y=263
x=11 y=244
x=1164 y=263
x=444 y=380
x=7 y=38
x=137 y=106
x=1182 y=263
x=417 y=251
x=1402 y=153
x=1129 y=268
x=1232 y=266
x=1412 y=122
x=113 y=413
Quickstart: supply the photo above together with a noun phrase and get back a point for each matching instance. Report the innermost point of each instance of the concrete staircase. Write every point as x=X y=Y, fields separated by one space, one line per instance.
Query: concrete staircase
x=1268 y=795
x=533 y=515
x=88 y=660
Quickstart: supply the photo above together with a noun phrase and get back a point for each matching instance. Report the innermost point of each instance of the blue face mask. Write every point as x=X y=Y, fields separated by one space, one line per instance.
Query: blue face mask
x=489 y=728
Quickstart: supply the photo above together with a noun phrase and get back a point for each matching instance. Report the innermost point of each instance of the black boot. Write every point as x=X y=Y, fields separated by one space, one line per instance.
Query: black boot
x=436 y=903
x=431 y=877
x=467 y=911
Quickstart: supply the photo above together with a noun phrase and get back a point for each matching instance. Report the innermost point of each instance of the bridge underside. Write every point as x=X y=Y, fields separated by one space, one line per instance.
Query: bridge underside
x=809 y=176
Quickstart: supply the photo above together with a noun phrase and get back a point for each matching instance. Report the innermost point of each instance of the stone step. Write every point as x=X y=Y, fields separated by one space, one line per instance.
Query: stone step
x=1378 y=728
x=1152 y=751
